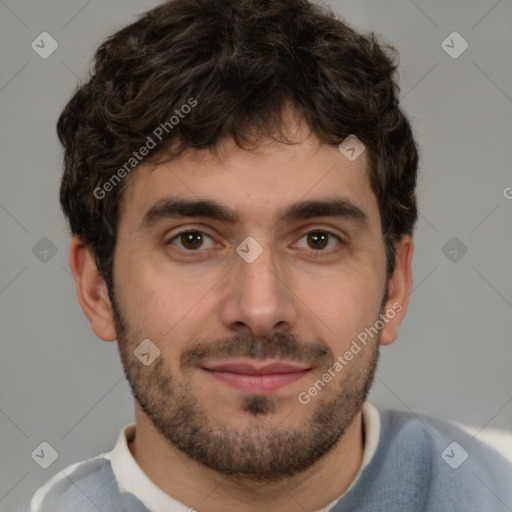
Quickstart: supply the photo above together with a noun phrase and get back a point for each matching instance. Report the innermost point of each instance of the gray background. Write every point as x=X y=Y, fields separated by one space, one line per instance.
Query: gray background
x=60 y=384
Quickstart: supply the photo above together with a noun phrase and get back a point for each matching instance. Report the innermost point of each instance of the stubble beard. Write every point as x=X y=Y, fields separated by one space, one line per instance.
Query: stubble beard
x=261 y=450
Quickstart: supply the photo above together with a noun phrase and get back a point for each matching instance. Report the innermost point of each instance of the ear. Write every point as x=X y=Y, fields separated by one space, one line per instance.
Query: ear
x=400 y=286
x=91 y=290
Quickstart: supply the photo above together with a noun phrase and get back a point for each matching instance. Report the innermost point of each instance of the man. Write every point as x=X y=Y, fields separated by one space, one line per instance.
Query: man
x=240 y=184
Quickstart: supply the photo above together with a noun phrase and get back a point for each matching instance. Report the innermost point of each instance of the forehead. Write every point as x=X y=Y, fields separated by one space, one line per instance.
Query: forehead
x=255 y=186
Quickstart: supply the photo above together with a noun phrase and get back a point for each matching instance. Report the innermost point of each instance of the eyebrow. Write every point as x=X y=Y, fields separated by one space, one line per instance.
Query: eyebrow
x=174 y=207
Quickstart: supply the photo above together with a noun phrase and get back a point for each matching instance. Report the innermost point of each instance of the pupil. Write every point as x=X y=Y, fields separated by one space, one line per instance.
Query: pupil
x=319 y=239
x=191 y=240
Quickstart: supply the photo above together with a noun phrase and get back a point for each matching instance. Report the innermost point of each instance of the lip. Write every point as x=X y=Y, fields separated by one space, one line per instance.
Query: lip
x=256 y=378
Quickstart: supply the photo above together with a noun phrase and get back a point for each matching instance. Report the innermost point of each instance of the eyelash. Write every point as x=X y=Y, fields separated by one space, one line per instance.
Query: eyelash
x=314 y=253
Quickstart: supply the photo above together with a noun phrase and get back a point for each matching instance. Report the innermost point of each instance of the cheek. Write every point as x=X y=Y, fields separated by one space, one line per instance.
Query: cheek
x=342 y=302
x=348 y=313
x=161 y=304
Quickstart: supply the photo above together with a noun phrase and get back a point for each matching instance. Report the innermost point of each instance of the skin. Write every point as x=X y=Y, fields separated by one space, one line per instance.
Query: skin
x=212 y=298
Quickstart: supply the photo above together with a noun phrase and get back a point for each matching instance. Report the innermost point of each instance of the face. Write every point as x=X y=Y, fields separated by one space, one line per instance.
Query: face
x=282 y=261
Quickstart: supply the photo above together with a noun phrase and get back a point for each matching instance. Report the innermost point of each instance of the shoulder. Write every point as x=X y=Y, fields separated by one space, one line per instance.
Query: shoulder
x=433 y=434
x=82 y=487
x=454 y=464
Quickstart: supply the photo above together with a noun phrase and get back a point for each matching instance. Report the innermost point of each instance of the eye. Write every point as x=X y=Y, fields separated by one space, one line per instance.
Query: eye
x=191 y=240
x=194 y=240
x=320 y=240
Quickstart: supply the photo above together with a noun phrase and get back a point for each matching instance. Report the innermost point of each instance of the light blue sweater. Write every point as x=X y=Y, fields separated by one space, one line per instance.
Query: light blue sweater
x=422 y=464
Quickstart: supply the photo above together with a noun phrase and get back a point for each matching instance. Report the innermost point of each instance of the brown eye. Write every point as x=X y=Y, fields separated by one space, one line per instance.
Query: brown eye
x=191 y=240
x=320 y=240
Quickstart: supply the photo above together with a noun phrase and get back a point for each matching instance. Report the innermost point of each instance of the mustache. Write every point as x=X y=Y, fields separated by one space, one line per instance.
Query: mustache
x=278 y=346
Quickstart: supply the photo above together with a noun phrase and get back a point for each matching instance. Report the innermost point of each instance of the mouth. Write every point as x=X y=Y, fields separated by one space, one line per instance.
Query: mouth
x=249 y=377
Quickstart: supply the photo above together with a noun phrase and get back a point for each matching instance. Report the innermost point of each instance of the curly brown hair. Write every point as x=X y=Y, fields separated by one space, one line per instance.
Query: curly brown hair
x=243 y=62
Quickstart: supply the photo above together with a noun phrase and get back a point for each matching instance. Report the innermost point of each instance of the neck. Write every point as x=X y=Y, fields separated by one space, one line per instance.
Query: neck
x=202 y=488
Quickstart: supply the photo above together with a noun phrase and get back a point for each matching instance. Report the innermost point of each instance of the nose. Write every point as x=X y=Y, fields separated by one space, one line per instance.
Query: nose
x=258 y=299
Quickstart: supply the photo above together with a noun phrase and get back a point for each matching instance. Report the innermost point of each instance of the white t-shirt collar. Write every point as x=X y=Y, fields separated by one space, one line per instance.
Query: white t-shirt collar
x=131 y=478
